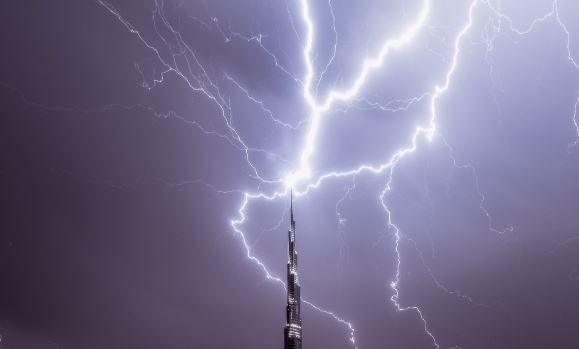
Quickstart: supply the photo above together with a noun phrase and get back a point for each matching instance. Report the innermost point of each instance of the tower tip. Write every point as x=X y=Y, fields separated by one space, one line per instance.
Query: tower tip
x=292 y=204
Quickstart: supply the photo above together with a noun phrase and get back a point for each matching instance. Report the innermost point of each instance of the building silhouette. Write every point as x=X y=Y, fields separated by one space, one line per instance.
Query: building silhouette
x=293 y=323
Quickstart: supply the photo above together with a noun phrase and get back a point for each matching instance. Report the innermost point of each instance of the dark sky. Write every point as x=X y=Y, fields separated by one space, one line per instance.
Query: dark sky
x=133 y=132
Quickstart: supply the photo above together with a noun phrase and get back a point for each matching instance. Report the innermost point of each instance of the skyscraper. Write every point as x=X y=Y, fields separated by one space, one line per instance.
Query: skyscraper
x=293 y=323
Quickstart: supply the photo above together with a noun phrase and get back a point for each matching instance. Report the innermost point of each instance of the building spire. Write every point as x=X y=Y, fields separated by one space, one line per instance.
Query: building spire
x=292 y=204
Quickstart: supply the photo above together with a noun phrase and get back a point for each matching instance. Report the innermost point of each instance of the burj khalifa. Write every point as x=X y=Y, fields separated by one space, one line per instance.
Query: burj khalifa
x=293 y=323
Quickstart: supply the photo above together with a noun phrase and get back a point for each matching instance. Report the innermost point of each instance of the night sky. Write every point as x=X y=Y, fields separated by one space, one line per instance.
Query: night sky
x=147 y=149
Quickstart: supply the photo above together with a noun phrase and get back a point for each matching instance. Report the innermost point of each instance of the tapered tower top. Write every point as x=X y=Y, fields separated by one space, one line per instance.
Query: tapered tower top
x=293 y=323
x=292 y=204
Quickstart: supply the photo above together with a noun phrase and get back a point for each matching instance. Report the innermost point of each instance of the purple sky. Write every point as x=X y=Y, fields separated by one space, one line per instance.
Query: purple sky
x=134 y=133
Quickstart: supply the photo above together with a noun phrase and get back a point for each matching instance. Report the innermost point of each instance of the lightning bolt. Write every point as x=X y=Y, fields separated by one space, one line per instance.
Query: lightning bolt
x=576 y=125
x=303 y=178
x=317 y=111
